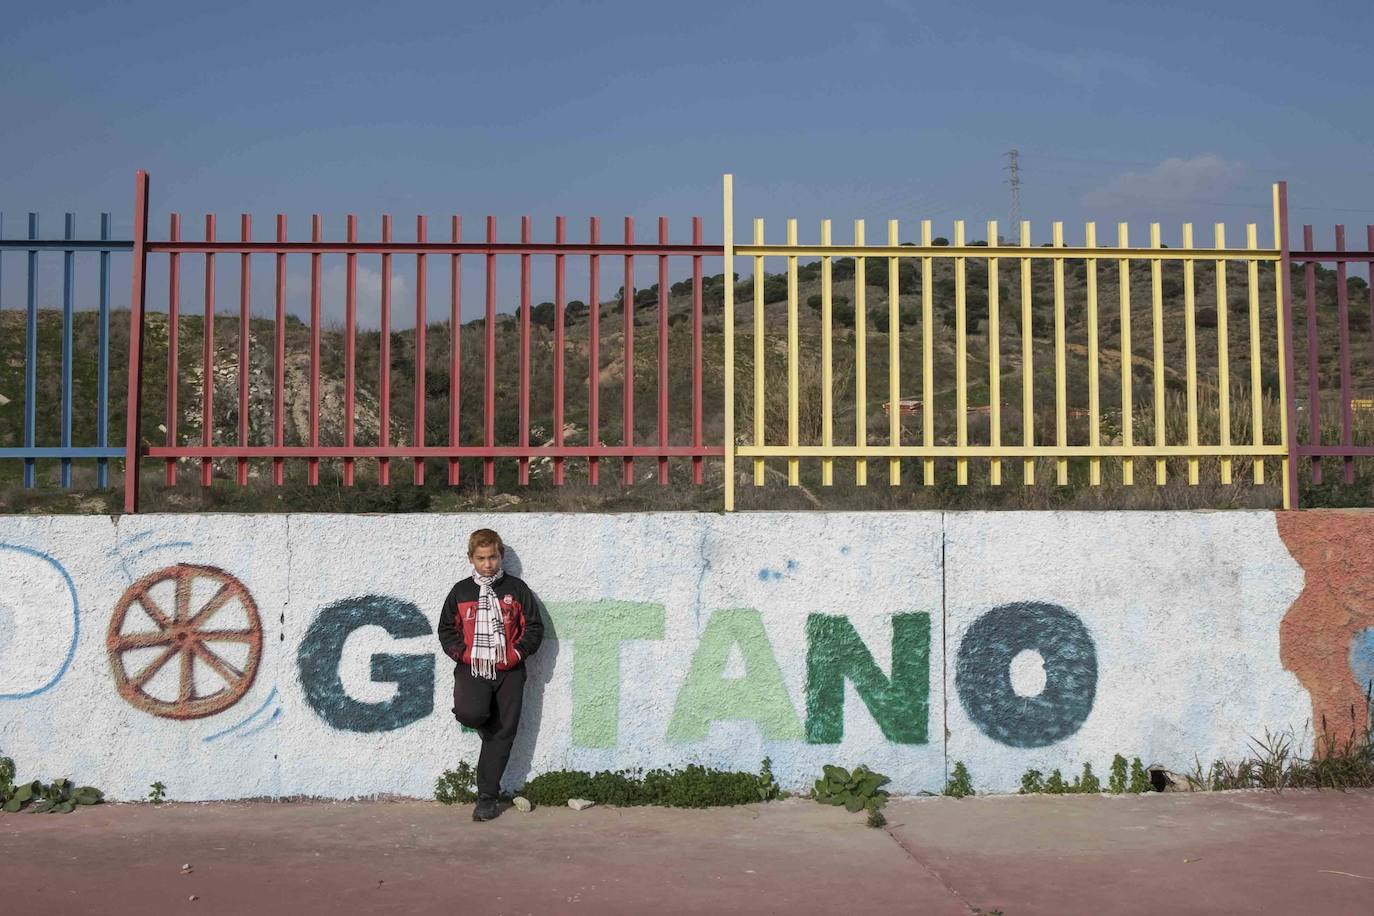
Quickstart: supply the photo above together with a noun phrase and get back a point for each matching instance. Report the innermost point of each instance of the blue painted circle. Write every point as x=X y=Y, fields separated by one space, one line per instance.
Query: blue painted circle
x=6 y=628
x=1362 y=658
x=76 y=622
x=982 y=673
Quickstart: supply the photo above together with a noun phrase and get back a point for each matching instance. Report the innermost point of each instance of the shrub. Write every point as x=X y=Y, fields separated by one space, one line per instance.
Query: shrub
x=960 y=785
x=1116 y=783
x=692 y=787
x=857 y=790
x=456 y=786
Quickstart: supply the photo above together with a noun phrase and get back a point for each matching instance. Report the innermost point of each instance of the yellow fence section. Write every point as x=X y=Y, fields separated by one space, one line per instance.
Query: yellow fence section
x=911 y=357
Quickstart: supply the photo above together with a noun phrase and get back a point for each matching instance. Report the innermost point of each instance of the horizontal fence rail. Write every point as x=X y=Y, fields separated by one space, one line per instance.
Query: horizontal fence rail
x=37 y=250
x=1353 y=409
x=1019 y=259
x=496 y=374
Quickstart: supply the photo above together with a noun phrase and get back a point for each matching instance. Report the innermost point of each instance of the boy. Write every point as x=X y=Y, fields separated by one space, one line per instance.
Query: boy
x=500 y=628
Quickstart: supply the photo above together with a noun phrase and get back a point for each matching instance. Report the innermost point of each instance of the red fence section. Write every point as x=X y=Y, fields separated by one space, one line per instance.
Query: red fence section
x=1318 y=445
x=175 y=247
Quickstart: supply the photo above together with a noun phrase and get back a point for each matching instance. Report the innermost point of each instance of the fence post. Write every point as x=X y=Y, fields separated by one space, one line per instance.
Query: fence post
x=1288 y=431
x=134 y=405
x=728 y=306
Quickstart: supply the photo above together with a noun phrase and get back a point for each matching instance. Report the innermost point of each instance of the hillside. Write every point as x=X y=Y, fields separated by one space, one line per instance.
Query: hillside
x=610 y=372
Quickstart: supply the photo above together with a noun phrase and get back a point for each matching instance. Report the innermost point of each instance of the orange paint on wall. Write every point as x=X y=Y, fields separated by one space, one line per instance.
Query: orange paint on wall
x=1336 y=552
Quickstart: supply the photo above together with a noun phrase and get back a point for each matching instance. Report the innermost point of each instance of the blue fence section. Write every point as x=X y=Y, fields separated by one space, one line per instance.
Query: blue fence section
x=68 y=246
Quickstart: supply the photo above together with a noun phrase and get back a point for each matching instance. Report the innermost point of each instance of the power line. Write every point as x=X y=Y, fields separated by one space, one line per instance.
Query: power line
x=1013 y=155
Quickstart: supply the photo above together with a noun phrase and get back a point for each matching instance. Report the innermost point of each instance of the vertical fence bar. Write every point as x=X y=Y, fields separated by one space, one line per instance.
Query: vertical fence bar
x=894 y=367
x=421 y=321
x=1369 y=248
x=1157 y=302
x=523 y=462
x=960 y=358
x=455 y=343
x=1288 y=434
x=207 y=361
x=313 y=464
x=68 y=259
x=663 y=351
x=31 y=359
x=793 y=355
x=1256 y=391
x=1223 y=355
x=1343 y=319
x=1123 y=266
x=628 y=420
x=1313 y=361
x=827 y=361
x=860 y=357
x=760 y=353
x=350 y=346
x=994 y=357
x=384 y=382
x=594 y=355
x=559 y=342
x=1190 y=347
x=489 y=363
x=134 y=405
x=102 y=407
x=1027 y=359
x=173 y=348
x=1061 y=369
x=279 y=359
x=927 y=356
x=245 y=285
x=697 y=354
x=1094 y=395
x=728 y=307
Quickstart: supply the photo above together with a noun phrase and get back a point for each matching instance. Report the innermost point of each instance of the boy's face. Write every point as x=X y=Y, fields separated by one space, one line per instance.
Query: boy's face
x=486 y=560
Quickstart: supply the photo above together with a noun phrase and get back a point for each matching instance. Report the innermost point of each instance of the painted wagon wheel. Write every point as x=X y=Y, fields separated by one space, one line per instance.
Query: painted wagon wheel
x=184 y=635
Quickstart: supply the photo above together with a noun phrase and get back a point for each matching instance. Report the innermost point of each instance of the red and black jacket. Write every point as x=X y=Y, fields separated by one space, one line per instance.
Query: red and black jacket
x=519 y=613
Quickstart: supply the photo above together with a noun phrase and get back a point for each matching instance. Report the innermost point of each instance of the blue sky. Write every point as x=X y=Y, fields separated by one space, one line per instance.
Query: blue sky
x=1165 y=111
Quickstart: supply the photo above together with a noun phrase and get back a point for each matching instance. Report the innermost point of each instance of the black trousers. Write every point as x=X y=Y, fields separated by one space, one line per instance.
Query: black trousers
x=493 y=708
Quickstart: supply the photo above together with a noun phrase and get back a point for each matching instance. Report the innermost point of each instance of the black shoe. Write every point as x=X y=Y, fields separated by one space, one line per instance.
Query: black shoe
x=488 y=807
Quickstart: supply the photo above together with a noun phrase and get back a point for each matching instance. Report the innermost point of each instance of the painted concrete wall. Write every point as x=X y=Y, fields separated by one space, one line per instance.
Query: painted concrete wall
x=309 y=664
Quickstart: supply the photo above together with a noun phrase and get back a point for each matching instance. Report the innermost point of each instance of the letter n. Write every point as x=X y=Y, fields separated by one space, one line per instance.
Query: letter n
x=834 y=652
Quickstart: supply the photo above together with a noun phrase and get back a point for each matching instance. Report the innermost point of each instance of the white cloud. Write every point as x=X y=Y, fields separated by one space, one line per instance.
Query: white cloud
x=1205 y=176
x=334 y=293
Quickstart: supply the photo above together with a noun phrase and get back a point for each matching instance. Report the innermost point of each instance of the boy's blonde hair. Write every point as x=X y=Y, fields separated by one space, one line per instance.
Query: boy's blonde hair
x=485 y=537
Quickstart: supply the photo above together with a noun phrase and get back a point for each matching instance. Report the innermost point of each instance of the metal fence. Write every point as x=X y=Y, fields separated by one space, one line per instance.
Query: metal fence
x=1020 y=256
x=942 y=370
x=66 y=450
x=1317 y=444
x=418 y=449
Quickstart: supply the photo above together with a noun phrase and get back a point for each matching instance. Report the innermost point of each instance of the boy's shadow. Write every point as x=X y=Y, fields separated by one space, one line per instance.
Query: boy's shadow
x=538 y=671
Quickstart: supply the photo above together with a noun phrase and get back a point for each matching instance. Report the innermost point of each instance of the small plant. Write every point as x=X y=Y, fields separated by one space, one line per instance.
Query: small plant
x=692 y=787
x=1032 y=781
x=56 y=797
x=1056 y=785
x=1116 y=783
x=857 y=790
x=457 y=786
x=1088 y=782
x=960 y=785
x=157 y=792
x=1140 y=780
x=768 y=786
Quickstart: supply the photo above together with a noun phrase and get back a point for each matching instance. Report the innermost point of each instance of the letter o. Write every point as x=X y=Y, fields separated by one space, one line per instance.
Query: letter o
x=982 y=673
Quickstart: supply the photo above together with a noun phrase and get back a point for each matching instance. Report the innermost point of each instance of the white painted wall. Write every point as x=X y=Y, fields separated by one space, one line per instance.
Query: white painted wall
x=1182 y=610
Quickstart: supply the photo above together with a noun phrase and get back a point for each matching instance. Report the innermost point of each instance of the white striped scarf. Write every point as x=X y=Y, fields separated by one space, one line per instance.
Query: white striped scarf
x=489 y=634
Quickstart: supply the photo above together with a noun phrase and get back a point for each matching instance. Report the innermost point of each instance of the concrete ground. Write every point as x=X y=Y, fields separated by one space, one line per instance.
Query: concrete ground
x=1298 y=852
